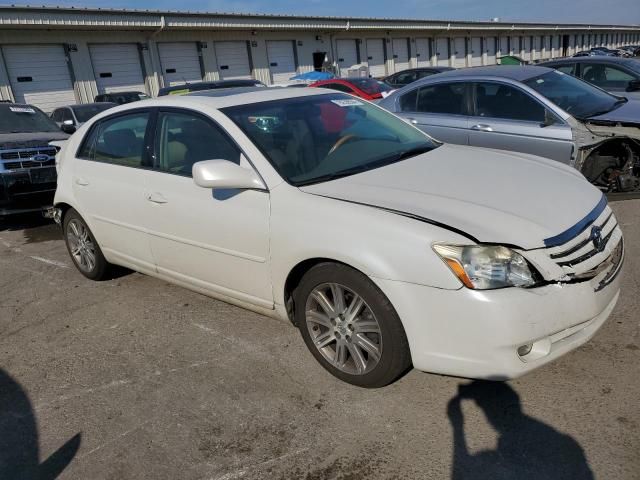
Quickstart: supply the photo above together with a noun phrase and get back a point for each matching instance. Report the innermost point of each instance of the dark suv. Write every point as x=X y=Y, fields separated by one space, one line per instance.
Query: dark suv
x=27 y=161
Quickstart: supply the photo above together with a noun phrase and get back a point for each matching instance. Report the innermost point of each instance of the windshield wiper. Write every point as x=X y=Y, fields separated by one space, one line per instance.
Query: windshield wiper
x=412 y=152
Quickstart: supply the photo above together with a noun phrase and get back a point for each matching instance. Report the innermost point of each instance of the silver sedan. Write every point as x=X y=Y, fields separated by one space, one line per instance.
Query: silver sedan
x=533 y=110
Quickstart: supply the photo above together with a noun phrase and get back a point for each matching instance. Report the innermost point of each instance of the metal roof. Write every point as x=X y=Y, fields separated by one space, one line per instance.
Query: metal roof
x=79 y=17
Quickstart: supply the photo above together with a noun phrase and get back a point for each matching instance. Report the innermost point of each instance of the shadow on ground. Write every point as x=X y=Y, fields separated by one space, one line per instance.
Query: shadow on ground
x=19 y=447
x=527 y=448
x=36 y=228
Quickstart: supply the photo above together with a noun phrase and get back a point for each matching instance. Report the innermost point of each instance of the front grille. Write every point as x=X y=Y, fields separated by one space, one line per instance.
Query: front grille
x=589 y=252
x=23 y=158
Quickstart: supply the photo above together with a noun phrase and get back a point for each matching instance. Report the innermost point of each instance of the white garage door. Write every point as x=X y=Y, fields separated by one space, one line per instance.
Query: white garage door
x=476 y=51
x=526 y=48
x=375 y=57
x=180 y=63
x=460 y=52
x=504 y=46
x=233 y=60
x=39 y=75
x=442 y=51
x=514 y=46
x=347 y=55
x=400 y=53
x=117 y=67
x=423 y=52
x=490 y=50
x=282 y=60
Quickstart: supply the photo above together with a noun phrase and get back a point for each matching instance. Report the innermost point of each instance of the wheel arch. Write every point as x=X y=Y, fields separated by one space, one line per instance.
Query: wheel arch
x=295 y=276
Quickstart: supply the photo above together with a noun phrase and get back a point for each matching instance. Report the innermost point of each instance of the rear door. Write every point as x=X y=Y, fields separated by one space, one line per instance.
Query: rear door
x=109 y=182
x=508 y=118
x=439 y=110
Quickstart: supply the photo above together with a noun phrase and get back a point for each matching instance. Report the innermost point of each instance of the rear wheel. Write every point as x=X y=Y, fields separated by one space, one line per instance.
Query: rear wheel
x=350 y=326
x=83 y=248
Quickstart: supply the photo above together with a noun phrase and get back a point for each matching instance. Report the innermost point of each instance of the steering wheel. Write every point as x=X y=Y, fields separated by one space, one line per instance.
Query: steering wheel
x=341 y=141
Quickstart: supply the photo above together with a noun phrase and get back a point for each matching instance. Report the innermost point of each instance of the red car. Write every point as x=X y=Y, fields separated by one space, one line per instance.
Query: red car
x=366 y=88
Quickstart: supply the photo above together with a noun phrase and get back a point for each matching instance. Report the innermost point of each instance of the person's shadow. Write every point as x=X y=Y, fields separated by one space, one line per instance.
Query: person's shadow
x=19 y=449
x=527 y=448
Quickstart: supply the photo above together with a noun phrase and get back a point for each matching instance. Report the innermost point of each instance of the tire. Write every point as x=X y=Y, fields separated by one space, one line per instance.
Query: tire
x=83 y=248
x=368 y=333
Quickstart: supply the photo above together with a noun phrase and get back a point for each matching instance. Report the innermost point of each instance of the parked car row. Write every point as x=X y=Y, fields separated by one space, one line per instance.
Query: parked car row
x=626 y=51
x=386 y=248
x=535 y=110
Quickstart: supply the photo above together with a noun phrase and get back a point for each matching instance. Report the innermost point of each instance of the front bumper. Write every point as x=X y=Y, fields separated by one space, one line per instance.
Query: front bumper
x=26 y=190
x=476 y=334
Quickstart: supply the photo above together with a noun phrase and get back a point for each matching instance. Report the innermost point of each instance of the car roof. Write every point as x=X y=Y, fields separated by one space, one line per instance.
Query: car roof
x=600 y=59
x=88 y=104
x=513 y=72
x=227 y=97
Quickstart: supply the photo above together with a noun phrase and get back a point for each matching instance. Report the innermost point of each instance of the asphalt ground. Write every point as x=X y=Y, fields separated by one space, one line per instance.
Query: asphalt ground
x=134 y=378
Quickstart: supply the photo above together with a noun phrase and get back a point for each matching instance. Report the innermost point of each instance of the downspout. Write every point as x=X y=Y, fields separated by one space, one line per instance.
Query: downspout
x=157 y=69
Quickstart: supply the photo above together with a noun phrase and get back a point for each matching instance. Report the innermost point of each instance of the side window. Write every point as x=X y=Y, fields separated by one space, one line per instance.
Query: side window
x=566 y=68
x=183 y=139
x=118 y=140
x=605 y=76
x=442 y=98
x=425 y=73
x=405 y=78
x=56 y=116
x=408 y=101
x=496 y=100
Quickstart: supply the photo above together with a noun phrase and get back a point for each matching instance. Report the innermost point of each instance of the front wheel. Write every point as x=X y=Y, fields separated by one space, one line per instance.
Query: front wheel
x=350 y=326
x=83 y=248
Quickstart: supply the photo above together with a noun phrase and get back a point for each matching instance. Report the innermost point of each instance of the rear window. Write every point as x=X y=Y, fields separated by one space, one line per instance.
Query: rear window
x=370 y=86
x=86 y=112
x=24 y=119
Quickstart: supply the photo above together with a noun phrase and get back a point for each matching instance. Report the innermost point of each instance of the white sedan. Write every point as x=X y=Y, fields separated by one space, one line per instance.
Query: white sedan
x=384 y=247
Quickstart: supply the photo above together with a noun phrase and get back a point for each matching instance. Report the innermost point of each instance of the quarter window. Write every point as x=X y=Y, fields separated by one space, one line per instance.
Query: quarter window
x=184 y=139
x=496 y=100
x=569 y=68
x=440 y=98
x=118 y=140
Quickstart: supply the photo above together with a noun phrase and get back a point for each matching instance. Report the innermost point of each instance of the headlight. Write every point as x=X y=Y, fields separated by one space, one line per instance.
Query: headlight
x=485 y=267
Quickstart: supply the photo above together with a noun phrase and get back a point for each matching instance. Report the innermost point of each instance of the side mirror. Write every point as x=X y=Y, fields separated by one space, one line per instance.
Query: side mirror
x=225 y=174
x=68 y=127
x=634 y=86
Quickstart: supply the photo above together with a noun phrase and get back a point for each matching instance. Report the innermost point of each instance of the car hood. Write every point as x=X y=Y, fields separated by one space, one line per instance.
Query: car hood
x=10 y=141
x=627 y=113
x=491 y=195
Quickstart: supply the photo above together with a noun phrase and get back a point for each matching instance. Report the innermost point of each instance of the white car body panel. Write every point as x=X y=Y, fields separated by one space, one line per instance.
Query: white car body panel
x=241 y=249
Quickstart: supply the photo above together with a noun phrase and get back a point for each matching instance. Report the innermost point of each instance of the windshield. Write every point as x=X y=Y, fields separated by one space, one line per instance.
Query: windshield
x=370 y=86
x=25 y=119
x=85 y=112
x=574 y=96
x=322 y=137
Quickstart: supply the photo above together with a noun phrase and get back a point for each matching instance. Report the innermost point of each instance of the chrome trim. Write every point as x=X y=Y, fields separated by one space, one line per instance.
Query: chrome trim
x=579 y=227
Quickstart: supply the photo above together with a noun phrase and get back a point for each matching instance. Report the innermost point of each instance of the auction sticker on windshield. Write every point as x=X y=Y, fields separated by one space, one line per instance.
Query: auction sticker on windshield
x=347 y=102
x=22 y=109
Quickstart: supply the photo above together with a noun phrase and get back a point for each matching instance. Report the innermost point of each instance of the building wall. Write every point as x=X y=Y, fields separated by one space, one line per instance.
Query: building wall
x=545 y=45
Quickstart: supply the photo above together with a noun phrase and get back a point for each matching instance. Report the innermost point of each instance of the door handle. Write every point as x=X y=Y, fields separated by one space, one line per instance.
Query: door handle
x=156 y=197
x=483 y=127
x=81 y=181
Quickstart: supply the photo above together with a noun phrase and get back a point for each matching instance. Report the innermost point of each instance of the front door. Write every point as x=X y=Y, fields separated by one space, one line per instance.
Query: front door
x=508 y=118
x=109 y=182
x=217 y=240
